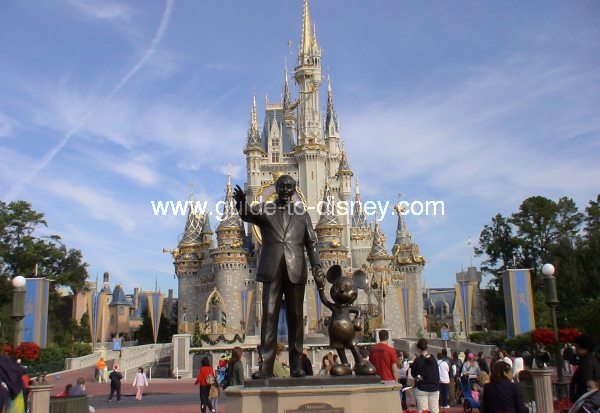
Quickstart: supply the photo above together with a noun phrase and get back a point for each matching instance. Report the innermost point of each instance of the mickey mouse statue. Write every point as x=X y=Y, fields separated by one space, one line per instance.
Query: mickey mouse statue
x=342 y=329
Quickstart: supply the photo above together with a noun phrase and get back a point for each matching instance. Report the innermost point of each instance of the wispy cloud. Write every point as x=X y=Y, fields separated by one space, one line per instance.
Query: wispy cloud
x=99 y=205
x=51 y=154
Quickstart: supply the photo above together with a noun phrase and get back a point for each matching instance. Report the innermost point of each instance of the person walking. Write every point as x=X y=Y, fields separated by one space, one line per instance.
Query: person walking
x=501 y=395
x=384 y=358
x=235 y=369
x=427 y=379
x=588 y=367
x=445 y=373
x=115 y=378
x=206 y=378
x=139 y=382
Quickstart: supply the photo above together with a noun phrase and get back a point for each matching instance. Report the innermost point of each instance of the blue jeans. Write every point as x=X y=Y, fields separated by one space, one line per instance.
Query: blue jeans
x=444 y=394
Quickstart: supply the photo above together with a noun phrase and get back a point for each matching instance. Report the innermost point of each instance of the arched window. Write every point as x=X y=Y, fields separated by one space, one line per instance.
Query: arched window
x=215 y=308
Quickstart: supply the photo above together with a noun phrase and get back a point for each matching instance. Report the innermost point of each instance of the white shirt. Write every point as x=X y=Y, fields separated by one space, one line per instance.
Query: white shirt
x=140 y=380
x=518 y=365
x=444 y=369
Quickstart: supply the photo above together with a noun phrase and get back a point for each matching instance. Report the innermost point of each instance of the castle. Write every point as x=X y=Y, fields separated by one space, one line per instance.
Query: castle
x=216 y=282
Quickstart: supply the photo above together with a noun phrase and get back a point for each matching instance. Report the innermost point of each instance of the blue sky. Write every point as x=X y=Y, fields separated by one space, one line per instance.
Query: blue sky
x=107 y=105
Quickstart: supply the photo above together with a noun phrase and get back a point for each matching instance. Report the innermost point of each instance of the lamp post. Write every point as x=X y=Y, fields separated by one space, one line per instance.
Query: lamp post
x=18 y=307
x=552 y=301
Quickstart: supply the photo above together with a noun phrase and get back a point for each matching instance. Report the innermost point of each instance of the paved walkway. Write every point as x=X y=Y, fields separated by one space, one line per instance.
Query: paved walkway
x=162 y=395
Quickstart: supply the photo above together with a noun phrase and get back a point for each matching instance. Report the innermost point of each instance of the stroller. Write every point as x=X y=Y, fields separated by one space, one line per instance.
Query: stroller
x=469 y=403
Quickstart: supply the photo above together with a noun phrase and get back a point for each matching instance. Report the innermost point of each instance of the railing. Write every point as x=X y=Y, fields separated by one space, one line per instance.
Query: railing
x=89 y=360
x=49 y=368
x=142 y=356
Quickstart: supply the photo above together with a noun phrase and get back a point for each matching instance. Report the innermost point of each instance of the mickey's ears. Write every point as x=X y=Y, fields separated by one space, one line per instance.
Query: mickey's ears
x=333 y=273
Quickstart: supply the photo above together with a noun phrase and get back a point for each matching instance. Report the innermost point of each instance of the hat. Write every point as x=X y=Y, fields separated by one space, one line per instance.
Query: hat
x=116 y=367
x=471 y=356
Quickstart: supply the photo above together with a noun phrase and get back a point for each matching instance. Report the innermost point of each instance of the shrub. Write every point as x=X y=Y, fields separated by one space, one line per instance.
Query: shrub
x=51 y=353
x=80 y=349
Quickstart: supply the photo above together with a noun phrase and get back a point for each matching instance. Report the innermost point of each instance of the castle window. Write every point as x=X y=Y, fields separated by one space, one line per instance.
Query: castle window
x=312 y=175
x=121 y=310
x=275 y=157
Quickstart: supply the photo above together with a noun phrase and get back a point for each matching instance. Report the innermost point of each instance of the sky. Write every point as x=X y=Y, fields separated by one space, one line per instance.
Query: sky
x=106 y=106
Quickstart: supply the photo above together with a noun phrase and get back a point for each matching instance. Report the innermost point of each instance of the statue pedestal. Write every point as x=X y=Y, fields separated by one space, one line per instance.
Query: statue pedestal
x=314 y=394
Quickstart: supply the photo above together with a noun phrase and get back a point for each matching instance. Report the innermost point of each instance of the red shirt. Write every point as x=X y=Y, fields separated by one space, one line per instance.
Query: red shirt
x=383 y=356
x=205 y=371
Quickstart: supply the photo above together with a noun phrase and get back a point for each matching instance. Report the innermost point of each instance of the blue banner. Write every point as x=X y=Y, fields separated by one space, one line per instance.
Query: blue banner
x=35 y=323
x=518 y=300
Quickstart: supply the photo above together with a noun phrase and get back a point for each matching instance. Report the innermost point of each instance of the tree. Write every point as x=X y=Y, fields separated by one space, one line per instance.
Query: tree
x=22 y=248
x=545 y=231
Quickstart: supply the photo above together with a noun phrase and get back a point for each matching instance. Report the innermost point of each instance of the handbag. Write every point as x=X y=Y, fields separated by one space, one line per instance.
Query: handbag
x=213 y=392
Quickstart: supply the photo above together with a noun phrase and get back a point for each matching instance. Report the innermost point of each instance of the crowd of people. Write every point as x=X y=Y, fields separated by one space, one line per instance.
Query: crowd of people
x=439 y=381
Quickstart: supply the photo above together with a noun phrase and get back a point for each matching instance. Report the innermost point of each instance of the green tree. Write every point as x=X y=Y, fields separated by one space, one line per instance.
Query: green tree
x=544 y=231
x=22 y=248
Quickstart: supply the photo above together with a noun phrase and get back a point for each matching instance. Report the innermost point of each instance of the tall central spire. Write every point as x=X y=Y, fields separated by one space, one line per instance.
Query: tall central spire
x=307 y=39
x=308 y=79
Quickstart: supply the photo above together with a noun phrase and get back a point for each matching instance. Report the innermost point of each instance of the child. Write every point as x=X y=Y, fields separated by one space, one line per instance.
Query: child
x=140 y=381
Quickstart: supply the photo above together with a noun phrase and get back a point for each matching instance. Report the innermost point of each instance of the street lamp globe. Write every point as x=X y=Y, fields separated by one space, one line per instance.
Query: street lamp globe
x=548 y=269
x=19 y=281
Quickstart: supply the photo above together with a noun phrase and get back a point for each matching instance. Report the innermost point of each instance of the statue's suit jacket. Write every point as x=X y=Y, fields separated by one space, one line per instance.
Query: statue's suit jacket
x=284 y=234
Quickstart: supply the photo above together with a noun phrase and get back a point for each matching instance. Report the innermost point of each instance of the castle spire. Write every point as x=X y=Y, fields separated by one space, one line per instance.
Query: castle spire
x=253 y=132
x=344 y=168
x=230 y=218
x=402 y=234
x=328 y=217
x=359 y=217
x=193 y=225
x=308 y=36
x=286 y=91
x=331 y=121
x=378 y=250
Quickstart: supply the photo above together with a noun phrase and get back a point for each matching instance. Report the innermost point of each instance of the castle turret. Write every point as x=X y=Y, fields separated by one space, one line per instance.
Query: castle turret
x=408 y=265
x=223 y=311
x=187 y=257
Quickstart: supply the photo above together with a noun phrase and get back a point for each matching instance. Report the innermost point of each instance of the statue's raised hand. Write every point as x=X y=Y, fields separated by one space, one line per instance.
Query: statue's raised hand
x=239 y=195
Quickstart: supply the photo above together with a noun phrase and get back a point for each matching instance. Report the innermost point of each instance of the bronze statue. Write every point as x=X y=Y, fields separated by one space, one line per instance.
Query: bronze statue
x=342 y=329
x=286 y=230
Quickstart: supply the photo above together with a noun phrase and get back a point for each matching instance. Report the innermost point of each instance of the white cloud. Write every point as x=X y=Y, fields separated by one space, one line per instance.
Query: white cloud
x=476 y=139
x=137 y=172
x=99 y=205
